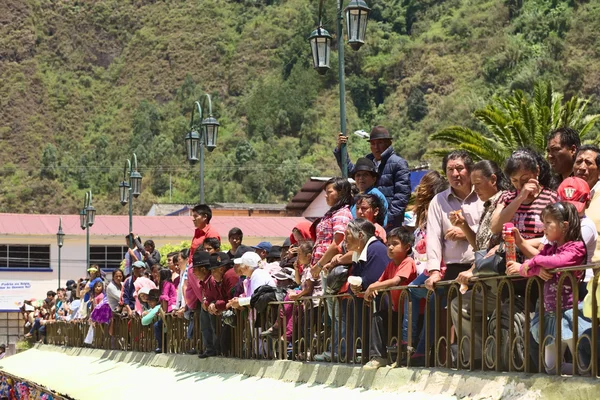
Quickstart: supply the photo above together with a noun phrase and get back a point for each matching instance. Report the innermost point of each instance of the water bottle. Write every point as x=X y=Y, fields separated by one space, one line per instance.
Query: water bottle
x=509 y=242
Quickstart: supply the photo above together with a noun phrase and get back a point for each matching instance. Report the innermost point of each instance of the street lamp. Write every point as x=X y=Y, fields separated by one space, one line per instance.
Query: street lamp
x=87 y=217
x=200 y=137
x=130 y=187
x=357 y=14
x=60 y=237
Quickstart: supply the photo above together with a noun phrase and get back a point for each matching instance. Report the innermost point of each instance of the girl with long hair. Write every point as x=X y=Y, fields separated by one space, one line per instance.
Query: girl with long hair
x=566 y=248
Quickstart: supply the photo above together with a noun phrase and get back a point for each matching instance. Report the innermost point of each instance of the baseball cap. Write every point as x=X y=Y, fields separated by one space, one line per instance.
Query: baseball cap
x=138 y=264
x=275 y=252
x=241 y=250
x=92 y=269
x=144 y=290
x=575 y=191
x=287 y=242
x=284 y=274
x=249 y=258
x=201 y=259
x=263 y=246
x=219 y=259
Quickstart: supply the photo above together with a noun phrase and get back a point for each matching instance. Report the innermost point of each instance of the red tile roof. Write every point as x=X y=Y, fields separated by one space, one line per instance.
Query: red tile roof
x=115 y=225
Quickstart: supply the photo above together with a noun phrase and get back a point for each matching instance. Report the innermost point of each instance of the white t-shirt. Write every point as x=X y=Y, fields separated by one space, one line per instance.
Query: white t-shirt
x=258 y=278
x=590 y=236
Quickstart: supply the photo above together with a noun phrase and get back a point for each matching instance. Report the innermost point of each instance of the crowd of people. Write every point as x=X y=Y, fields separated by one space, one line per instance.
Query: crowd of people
x=367 y=243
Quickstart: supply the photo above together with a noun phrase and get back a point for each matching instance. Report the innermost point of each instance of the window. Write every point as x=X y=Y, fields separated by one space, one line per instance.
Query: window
x=107 y=257
x=24 y=256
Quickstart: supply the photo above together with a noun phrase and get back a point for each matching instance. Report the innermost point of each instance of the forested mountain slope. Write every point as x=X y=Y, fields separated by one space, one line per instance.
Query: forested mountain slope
x=83 y=84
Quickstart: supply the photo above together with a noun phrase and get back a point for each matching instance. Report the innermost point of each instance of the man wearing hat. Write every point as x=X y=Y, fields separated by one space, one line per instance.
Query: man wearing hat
x=200 y=269
x=394 y=176
x=262 y=249
x=365 y=176
x=218 y=291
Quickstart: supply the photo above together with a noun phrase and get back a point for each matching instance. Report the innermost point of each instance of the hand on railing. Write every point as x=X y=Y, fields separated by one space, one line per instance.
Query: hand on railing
x=434 y=277
x=465 y=277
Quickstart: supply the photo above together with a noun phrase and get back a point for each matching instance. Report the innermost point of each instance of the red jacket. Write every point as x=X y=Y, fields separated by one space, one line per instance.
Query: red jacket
x=221 y=292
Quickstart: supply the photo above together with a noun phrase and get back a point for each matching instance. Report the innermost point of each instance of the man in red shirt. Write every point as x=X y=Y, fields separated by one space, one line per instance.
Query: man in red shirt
x=400 y=271
x=201 y=216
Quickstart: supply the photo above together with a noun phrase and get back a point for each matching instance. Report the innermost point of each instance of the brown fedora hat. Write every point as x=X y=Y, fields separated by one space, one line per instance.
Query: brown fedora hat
x=379 y=132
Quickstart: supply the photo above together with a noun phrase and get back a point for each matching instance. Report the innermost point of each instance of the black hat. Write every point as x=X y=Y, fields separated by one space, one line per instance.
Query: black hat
x=241 y=250
x=219 y=259
x=287 y=242
x=201 y=259
x=379 y=132
x=275 y=252
x=71 y=284
x=364 y=164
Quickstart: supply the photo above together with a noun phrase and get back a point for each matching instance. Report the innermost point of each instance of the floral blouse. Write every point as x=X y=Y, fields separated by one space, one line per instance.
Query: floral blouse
x=484 y=238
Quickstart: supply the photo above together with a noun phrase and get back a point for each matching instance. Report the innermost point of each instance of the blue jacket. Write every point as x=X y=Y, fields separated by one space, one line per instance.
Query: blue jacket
x=371 y=270
x=128 y=293
x=383 y=200
x=393 y=182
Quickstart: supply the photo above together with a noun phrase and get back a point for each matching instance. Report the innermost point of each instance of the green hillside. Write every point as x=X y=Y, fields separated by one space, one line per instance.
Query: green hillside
x=83 y=84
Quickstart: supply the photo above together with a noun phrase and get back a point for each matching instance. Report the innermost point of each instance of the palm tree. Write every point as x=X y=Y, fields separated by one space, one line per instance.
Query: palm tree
x=516 y=121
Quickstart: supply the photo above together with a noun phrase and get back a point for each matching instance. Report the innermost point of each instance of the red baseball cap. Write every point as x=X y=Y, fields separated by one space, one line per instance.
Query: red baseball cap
x=575 y=191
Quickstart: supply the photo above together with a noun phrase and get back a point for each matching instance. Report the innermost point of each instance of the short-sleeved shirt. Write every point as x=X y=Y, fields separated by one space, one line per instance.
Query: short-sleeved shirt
x=329 y=225
x=406 y=270
x=528 y=217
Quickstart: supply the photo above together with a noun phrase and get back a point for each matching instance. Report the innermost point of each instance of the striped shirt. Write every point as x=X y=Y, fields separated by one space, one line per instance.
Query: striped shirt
x=326 y=230
x=528 y=218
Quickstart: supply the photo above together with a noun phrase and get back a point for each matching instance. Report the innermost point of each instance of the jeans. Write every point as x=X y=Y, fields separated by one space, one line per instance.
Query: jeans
x=189 y=315
x=208 y=327
x=416 y=294
x=159 y=335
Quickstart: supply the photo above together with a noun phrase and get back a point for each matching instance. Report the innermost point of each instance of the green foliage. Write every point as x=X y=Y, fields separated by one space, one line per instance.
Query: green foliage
x=169 y=248
x=518 y=121
x=85 y=84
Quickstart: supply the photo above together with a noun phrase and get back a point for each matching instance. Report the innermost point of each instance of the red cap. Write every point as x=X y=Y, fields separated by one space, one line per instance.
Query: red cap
x=575 y=191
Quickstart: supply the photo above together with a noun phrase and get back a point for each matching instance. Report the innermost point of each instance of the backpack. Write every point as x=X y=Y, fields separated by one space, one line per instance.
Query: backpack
x=519 y=331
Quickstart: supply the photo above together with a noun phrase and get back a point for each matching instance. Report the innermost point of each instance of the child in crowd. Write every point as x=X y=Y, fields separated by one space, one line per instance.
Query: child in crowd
x=308 y=287
x=565 y=249
x=168 y=292
x=400 y=271
x=212 y=245
x=235 y=240
x=368 y=207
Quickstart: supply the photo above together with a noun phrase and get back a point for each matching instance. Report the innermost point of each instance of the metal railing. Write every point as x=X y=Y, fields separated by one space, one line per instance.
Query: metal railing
x=498 y=338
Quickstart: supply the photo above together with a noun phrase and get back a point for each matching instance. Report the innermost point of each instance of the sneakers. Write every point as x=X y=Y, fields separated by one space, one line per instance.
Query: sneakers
x=375 y=363
x=323 y=357
x=271 y=332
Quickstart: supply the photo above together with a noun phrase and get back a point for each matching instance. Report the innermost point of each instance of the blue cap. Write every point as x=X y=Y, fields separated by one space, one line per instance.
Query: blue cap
x=263 y=246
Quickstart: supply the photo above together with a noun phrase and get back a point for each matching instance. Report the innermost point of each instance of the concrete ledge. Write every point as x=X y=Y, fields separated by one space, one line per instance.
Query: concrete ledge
x=476 y=385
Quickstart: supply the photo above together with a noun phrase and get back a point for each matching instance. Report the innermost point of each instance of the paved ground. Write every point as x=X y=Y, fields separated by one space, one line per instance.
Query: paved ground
x=90 y=378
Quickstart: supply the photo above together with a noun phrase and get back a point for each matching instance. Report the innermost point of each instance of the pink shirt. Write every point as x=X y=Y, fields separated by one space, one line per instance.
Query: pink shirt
x=326 y=230
x=552 y=256
x=169 y=294
x=438 y=223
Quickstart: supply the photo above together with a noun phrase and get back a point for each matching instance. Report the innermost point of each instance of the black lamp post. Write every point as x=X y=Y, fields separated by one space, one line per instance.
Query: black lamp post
x=130 y=187
x=357 y=14
x=87 y=217
x=60 y=237
x=200 y=137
